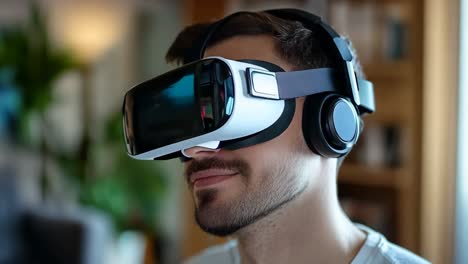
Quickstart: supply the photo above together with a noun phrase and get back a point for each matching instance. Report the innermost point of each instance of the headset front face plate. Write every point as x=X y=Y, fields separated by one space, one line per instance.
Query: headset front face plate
x=202 y=103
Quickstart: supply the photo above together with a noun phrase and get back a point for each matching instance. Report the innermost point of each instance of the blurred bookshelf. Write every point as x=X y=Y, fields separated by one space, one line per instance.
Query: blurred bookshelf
x=379 y=183
x=394 y=178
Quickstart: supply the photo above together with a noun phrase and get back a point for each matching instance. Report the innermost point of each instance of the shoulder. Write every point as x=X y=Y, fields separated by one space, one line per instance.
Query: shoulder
x=399 y=255
x=378 y=250
x=225 y=253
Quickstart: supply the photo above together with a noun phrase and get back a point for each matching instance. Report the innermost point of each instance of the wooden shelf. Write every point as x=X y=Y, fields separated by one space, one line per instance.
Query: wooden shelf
x=396 y=71
x=357 y=174
x=385 y=119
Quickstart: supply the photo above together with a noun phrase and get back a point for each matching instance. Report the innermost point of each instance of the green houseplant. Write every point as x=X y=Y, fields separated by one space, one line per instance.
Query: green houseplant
x=129 y=191
x=26 y=50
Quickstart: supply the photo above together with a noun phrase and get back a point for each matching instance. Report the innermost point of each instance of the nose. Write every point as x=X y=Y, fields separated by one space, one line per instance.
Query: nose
x=199 y=152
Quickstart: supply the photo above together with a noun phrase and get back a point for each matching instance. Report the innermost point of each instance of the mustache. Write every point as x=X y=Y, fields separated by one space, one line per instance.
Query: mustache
x=240 y=166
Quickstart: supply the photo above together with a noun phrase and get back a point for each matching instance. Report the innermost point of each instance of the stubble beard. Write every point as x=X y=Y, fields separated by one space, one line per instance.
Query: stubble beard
x=277 y=187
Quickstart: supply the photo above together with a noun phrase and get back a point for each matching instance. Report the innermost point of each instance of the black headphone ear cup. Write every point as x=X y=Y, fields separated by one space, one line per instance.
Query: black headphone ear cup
x=330 y=125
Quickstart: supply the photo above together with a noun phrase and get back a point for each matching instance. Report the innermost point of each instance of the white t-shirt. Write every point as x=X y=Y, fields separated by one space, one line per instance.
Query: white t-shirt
x=376 y=250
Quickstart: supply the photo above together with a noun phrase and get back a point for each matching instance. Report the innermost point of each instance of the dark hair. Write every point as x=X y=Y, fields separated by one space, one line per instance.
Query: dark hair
x=299 y=46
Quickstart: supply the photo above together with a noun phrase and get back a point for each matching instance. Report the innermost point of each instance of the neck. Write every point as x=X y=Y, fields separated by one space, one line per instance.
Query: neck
x=310 y=229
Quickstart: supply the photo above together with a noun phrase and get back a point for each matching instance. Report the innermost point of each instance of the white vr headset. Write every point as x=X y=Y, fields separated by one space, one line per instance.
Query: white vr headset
x=221 y=103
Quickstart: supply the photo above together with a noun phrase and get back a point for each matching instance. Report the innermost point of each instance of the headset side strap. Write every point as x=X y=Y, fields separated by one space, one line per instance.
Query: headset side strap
x=303 y=83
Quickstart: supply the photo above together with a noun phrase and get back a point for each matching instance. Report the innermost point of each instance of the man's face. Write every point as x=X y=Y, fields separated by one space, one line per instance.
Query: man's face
x=232 y=189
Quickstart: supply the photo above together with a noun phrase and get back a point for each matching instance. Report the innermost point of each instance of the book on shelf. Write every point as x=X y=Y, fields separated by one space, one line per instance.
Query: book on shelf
x=378 y=31
x=379 y=146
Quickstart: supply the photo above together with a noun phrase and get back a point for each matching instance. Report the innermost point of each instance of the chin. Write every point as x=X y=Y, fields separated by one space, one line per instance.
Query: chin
x=216 y=222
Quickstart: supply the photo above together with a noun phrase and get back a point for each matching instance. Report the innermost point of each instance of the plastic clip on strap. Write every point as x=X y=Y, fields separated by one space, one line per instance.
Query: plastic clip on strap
x=366 y=93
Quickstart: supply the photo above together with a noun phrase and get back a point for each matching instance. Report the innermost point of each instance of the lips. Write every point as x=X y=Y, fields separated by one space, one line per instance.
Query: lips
x=210 y=176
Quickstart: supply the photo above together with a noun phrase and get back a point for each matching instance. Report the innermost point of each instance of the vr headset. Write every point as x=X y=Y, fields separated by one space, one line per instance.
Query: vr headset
x=220 y=103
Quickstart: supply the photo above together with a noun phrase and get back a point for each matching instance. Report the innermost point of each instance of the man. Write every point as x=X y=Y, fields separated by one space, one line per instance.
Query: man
x=277 y=198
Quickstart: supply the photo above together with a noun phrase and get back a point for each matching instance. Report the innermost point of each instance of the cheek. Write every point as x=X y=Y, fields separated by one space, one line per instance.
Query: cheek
x=265 y=161
x=294 y=134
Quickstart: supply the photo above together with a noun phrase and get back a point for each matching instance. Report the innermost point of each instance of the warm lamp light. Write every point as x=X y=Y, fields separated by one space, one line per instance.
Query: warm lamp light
x=88 y=28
